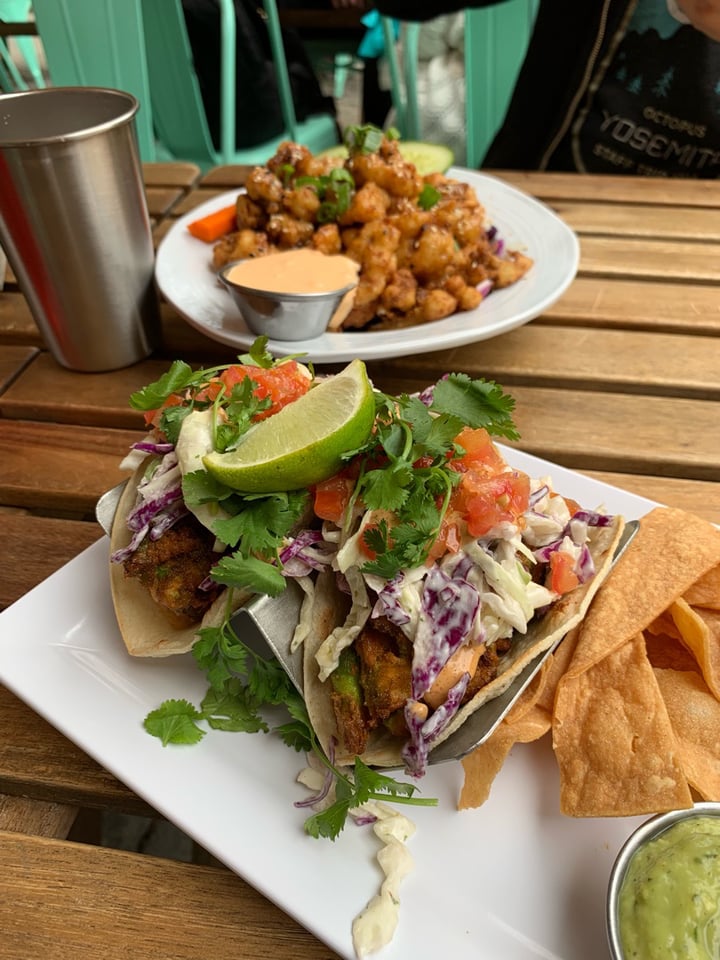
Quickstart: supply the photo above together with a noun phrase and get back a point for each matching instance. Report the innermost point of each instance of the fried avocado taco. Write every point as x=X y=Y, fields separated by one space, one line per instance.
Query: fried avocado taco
x=186 y=549
x=452 y=571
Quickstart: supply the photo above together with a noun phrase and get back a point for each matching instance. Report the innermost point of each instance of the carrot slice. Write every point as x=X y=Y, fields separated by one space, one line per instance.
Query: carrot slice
x=215 y=225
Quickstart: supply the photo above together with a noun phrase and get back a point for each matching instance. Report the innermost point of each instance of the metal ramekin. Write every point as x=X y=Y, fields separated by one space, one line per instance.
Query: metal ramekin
x=643 y=834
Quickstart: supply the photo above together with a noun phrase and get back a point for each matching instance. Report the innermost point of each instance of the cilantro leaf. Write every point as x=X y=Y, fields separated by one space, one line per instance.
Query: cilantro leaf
x=259 y=356
x=261 y=523
x=177 y=378
x=175 y=721
x=241 y=408
x=249 y=573
x=219 y=654
x=232 y=707
x=171 y=421
x=201 y=487
x=478 y=403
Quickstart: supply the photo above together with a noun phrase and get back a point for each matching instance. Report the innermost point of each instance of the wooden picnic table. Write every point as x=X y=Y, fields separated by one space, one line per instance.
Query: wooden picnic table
x=620 y=380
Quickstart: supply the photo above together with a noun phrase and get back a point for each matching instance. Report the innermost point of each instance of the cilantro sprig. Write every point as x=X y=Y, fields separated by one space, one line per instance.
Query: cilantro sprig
x=240 y=683
x=405 y=466
x=181 y=377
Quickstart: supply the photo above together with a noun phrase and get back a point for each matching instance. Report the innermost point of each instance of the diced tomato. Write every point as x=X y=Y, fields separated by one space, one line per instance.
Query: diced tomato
x=332 y=497
x=572 y=505
x=563 y=578
x=492 y=500
x=152 y=417
x=282 y=384
x=448 y=538
x=481 y=455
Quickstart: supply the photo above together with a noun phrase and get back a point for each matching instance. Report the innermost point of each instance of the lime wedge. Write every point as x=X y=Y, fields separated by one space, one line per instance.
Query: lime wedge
x=427 y=157
x=302 y=444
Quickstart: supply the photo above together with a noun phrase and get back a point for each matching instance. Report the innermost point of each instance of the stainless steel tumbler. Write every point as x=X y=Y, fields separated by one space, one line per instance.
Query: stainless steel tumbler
x=74 y=223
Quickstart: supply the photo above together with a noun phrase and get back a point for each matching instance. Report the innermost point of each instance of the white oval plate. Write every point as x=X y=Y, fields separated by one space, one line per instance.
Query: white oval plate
x=185 y=278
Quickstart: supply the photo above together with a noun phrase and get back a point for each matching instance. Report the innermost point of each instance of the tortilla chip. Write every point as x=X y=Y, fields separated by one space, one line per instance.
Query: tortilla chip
x=695 y=717
x=706 y=591
x=700 y=632
x=664 y=625
x=485 y=762
x=669 y=653
x=557 y=665
x=670 y=552
x=613 y=740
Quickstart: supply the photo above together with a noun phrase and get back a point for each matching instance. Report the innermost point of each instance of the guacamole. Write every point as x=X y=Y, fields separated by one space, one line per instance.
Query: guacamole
x=670 y=898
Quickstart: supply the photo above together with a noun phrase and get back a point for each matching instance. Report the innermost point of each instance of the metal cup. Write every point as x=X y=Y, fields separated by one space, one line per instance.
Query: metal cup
x=74 y=223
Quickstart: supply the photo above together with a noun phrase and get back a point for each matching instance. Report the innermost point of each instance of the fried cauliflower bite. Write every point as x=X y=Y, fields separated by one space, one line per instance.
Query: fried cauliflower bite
x=327 y=239
x=399 y=178
x=369 y=203
x=240 y=245
x=373 y=243
x=249 y=214
x=400 y=293
x=468 y=297
x=287 y=232
x=433 y=253
x=265 y=189
x=435 y=304
x=506 y=272
x=302 y=202
x=289 y=158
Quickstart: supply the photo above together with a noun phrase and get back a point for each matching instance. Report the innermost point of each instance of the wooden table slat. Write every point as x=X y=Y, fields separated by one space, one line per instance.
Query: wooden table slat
x=660 y=191
x=71 y=901
x=42 y=819
x=47 y=466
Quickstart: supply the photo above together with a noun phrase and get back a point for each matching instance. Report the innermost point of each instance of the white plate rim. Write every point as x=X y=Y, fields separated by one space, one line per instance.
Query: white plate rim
x=185 y=279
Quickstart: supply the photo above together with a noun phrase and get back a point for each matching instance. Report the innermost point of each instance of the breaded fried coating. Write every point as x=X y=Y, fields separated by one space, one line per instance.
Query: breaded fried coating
x=173 y=567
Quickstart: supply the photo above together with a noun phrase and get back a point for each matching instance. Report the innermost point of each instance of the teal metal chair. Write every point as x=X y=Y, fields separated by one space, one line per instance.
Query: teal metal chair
x=20 y=68
x=99 y=44
x=142 y=46
x=496 y=39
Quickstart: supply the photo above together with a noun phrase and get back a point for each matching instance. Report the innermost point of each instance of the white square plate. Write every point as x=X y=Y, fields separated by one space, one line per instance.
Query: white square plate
x=513 y=879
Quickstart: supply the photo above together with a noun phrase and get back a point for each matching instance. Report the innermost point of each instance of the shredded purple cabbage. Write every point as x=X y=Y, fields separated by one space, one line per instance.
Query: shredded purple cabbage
x=327 y=782
x=307 y=552
x=148 y=446
x=448 y=610
x=145 y=511
x=424 y=732
x=538 y=495
x=388 y=603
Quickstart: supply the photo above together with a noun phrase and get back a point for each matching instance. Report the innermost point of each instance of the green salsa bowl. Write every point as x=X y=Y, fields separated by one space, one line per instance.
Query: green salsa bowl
x=664 y=891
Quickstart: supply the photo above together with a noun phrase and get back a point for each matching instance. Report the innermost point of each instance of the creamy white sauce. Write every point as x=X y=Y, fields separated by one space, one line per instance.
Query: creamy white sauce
x=194 y=442
x=375 y=926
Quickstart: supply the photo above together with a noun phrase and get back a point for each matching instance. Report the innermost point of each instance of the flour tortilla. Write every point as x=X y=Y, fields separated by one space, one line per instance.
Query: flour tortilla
x=148 y=630
x=329 y=610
